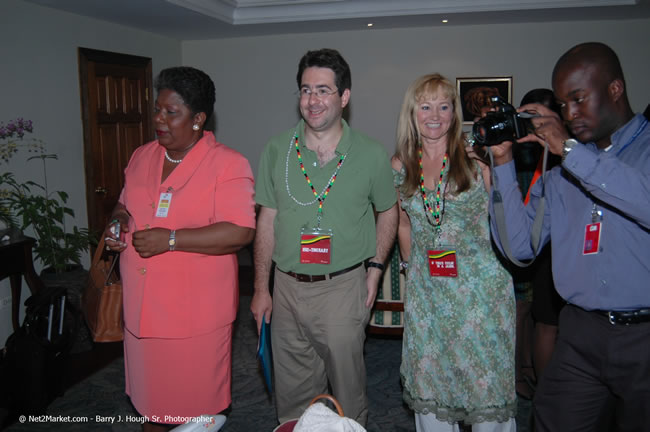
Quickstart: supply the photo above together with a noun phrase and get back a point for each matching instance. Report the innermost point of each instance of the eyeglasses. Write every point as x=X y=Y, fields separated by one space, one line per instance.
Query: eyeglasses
x=319 y=92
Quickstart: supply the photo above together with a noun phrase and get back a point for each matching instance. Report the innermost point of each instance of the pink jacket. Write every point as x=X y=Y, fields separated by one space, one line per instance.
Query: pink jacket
x=181 y=294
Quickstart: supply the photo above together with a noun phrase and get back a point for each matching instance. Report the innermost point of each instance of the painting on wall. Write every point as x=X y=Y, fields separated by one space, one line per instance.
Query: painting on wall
x=475 y=94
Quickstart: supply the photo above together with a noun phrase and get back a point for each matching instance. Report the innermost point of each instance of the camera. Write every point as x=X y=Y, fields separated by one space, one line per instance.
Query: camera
x=504 y=124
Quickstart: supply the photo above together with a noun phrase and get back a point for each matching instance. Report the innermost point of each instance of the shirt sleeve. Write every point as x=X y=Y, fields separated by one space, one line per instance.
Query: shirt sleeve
x=234 y=192
x=264 y=188
x=127 y=173
x=382 y=192
x=518 y=217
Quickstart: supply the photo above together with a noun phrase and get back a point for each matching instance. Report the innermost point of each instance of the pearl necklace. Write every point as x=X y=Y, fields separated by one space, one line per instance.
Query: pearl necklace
x=175 y=161
x=293 y=143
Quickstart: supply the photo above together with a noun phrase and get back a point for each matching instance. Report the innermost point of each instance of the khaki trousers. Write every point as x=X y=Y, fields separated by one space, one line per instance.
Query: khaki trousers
x=317 y=336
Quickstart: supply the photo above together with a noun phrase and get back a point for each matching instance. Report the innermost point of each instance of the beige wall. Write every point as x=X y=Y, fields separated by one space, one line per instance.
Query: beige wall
x=39 y=80
x=255 y=77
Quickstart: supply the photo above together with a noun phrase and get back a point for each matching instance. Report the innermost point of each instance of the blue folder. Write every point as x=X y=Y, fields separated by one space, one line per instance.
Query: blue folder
x=264 y=353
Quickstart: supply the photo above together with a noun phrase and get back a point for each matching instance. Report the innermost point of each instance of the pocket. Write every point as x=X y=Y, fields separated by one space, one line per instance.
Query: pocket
x=364 y=312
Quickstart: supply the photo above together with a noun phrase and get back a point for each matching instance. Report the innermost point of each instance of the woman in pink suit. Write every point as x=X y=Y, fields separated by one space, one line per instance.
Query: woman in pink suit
x=186 y=208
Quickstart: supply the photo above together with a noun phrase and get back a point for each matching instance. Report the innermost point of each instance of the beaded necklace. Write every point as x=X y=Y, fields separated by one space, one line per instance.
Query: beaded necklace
x=320 y=198
x=436 y=214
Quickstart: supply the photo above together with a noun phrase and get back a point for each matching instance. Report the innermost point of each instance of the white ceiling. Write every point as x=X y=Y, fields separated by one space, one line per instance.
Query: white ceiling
x=210 y=19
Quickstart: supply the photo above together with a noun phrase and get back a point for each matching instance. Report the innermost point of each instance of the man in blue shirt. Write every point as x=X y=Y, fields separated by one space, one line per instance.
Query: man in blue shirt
x=598 y=215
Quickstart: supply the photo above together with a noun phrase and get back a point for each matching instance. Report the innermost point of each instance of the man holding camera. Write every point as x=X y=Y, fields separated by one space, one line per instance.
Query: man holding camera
x=598 y=215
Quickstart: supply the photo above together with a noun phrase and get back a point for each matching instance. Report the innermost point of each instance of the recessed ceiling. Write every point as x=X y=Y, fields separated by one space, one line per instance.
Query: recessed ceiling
x=209 y=19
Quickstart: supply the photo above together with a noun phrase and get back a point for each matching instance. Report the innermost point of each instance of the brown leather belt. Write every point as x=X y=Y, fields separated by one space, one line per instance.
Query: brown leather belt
x=317 y=278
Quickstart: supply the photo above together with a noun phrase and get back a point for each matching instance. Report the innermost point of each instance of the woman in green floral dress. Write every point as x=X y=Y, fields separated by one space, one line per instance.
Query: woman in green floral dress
x=458 y=350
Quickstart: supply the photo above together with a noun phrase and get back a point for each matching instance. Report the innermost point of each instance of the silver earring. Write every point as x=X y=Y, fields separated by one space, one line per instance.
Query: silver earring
x=195 y=127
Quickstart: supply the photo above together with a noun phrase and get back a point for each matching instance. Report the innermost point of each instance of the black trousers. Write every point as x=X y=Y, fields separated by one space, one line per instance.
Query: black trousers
x=596 y=368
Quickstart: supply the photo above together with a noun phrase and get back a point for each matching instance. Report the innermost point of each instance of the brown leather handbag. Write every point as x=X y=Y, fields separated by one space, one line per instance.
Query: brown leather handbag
x=102 y=299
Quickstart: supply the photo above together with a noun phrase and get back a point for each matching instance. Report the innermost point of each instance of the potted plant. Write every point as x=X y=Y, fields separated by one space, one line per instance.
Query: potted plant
x=33 y=205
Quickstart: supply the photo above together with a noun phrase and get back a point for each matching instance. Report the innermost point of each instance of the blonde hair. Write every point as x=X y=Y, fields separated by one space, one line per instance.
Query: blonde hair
x=461 y=169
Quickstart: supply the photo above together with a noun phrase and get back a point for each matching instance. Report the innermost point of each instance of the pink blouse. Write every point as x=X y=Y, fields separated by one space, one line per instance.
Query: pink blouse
x=181 y=294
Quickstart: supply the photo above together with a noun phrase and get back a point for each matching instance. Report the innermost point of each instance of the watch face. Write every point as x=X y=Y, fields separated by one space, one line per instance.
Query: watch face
x=570 y=143
x=567 y=146
x=172 y=240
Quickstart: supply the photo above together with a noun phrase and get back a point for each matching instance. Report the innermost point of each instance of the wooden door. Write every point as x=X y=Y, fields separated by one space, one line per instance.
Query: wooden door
x=116 y=103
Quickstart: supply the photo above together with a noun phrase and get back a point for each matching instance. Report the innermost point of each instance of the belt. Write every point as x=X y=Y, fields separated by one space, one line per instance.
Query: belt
x=317 y=278
x=626 y=317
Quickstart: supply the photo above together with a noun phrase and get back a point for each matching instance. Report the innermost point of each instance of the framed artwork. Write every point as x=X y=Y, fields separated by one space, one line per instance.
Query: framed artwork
x=475 y=94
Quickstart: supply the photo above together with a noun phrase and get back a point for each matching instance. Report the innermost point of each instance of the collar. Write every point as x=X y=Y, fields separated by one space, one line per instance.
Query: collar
x=184 y=171
x=623 y=135
x=344 y=143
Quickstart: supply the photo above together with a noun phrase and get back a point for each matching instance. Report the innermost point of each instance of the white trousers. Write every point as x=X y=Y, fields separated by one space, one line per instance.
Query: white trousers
x=429 y=423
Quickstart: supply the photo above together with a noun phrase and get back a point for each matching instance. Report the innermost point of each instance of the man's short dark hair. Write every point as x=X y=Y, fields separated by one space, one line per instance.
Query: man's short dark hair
x=327 y=58
x=194 y=86
x=592 y=53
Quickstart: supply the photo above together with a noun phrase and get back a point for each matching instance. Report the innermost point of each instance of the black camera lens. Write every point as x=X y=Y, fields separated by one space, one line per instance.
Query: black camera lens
x=480 y=133
x=493 y=129
x=497 y=127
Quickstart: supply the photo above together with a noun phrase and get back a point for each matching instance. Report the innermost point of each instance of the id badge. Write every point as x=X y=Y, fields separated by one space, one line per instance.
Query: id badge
x=163 y=204
x=442 y=261
x=315 y=246
x=592 y=238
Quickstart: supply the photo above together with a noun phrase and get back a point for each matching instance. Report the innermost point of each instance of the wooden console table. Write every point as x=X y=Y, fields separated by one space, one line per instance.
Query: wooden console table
x=15 y=262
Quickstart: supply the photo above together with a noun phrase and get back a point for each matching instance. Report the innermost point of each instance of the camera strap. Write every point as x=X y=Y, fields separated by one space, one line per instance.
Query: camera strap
x=499 y=214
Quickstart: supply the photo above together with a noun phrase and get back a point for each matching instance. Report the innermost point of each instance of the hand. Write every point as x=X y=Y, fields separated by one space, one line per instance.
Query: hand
x=261 y=306
x=112 y=242
x=372 y=280
x=502 y=153
x=549 y=128
x=150 y=242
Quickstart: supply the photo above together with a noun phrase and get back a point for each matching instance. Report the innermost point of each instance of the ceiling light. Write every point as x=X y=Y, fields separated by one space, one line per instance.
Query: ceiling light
x=445 y=21
x=370 y=24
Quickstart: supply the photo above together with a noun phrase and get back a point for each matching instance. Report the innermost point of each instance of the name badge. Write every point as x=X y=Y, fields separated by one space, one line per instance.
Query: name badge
x=442 y=262
x=163 y=204
x=592 y=238
x=315 y=246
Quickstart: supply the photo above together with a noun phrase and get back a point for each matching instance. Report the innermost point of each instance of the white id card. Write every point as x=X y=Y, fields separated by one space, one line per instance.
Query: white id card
x=164 y=204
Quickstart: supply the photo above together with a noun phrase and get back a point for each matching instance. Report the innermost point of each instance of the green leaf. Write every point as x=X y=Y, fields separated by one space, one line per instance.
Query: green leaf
x=31 y=207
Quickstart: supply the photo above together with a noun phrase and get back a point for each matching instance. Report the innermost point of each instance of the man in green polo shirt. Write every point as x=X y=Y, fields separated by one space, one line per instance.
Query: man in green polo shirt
x=319 y=186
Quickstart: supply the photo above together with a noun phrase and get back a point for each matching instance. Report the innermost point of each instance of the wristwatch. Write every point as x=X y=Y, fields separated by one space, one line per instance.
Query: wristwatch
x=377 y=265
x=567 y=146
x=172 y=240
